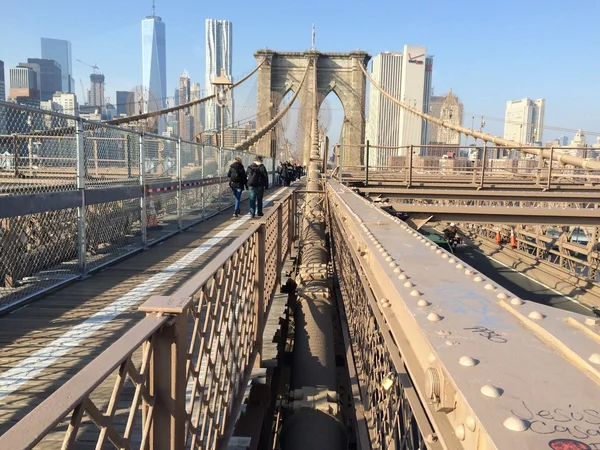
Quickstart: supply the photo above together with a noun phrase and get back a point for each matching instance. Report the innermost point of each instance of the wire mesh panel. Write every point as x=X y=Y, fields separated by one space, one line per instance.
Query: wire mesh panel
x=111 y=156
x=211 y=174
x=37 y=151
x=37 y=252
x=191 y=176
x=161 y=174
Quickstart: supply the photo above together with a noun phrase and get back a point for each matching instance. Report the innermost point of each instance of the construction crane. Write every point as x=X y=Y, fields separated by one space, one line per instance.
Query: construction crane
x=94 y=67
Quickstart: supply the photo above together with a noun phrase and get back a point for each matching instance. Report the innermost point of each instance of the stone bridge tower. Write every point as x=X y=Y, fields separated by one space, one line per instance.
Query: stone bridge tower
x=337 y=72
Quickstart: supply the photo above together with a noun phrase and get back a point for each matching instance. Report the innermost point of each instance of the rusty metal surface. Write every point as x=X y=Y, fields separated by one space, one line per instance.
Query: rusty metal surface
x=507 y=364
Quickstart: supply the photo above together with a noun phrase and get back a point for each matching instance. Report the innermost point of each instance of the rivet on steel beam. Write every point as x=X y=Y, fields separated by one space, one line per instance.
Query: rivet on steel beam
x=423 y=303
x=491 y=391
x=433 y=247
x=502 y=296
x=536 y=315
x=490 y=287
x=438 y=251
x=393 y=264
x=470 y=423
x=516 y=301
x=434 y=317
x=381 y=250
x=460 y=432
x=427 y=244
x=432 y=358
x=477 y=279
x=467 y=361
x=402 y=276
x=386 y=304
x=408 y=284
x=595 y=358
x=516 y=424
x=445 y=256
x=378 y=246
x=386 y=256
x=415 y=293
x=451 y=260
x=460 y=266
x=397 y=270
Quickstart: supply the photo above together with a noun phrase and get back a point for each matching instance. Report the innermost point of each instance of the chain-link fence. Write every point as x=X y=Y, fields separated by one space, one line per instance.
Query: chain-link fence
x=76 y=195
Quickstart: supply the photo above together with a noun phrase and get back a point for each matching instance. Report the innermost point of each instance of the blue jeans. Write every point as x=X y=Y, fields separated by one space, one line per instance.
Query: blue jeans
x=237 y=195
x=256 y=199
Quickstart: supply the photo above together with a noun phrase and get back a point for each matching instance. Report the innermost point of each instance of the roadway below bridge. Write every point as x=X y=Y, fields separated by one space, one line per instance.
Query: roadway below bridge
x=521 y=285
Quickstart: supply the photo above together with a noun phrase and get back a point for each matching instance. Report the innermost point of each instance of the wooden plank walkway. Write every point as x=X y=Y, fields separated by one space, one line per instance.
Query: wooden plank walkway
x=26 y=334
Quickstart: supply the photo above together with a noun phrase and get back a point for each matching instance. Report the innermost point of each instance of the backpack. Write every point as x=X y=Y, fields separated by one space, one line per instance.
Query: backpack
x=255 y=176
x=235 y=175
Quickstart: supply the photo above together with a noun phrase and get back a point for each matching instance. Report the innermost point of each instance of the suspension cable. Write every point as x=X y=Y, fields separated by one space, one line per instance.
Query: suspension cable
x=539 y=152
x=160 y=112
x=247 y=143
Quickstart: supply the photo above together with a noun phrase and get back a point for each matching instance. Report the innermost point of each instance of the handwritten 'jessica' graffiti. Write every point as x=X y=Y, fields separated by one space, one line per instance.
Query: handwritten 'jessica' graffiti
x=580 y=424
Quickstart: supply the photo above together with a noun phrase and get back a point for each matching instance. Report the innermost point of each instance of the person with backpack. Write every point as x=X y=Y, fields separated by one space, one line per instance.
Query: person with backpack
x=284 y=174
x=258 y=181
x=237 y=181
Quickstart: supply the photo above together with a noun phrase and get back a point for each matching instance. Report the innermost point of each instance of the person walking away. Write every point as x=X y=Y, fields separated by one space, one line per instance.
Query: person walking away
x=258 y=181
x=237 y=181
x=284 y=174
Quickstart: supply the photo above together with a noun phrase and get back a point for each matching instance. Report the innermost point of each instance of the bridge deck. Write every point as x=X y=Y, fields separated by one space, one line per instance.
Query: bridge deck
x=46 y=342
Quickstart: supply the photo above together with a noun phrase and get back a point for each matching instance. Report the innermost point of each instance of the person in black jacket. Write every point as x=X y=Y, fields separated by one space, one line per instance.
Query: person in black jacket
x=258 y=181
x=284 y=174
x=237 y=181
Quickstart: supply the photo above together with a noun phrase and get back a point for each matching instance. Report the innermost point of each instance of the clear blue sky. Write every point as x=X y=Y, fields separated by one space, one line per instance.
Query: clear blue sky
x=487 y=51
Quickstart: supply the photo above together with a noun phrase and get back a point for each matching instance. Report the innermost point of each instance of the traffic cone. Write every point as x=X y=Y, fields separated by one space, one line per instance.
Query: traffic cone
x=498 y=237
x=152 y=221
x=513 y=239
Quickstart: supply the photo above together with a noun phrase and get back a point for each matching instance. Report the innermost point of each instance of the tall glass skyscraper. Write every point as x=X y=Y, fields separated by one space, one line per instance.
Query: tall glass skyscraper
x=218 y=55
x=60 y=51
x=154 y=64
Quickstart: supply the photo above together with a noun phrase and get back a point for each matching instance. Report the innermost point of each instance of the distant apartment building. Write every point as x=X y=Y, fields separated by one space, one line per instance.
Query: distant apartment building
x=218 y=56
x=524 y=121
x=66 y=103
x=50 y=77
x=176 y=97
x=24 y=86
x=96 y=92
x=122 y=98
x=406 y=76
x=198 y=110
x=450 y=109
x=186 y=121
x=60 y=51
x=2 y=83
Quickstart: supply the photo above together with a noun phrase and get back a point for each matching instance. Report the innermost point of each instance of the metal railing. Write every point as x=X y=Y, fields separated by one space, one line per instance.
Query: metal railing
x=76 y=195
x=486 y=165
x=176 y=379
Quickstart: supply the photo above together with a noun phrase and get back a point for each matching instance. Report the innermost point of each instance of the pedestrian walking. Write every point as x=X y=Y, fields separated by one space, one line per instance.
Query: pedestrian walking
x=258 y=181
x=284 y=174
x=237 y=182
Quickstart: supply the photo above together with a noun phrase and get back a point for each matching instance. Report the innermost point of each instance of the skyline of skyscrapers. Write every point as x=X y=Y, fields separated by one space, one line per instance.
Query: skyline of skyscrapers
x=154 y=65
x=60 y=51
x=218 y=56
x=524 y=120
x=405 y=75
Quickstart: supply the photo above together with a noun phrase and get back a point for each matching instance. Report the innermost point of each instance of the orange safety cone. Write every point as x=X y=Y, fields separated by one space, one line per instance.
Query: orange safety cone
x=513 y=239
x=498 y=237
x=152 y=221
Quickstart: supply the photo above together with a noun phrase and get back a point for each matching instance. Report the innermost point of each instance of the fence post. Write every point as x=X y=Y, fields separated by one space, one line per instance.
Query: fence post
x=168 y=376
x=219 y=171
x=483 y=161
x=410 y=165
x=550 y=167
x=280 y=251
x=202 y=178
x=143 y=215
x=259 y=307
x=290 y=205
x=367 y=165
x=81 y=231
x=179 y=193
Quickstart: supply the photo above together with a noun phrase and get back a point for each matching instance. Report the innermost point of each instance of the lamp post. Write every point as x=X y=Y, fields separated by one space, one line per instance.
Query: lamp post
x=222 y=86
